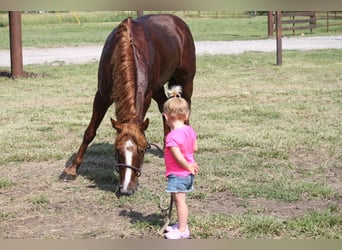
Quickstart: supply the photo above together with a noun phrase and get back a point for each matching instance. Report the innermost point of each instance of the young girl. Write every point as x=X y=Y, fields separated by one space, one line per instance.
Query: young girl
x=180 y=145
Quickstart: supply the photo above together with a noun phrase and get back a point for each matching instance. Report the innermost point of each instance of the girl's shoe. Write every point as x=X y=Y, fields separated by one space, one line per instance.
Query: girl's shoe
x=172 y=228
x=176 y=234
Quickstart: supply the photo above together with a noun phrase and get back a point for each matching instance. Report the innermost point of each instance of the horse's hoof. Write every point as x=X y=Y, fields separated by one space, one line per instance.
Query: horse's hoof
x=67 y=177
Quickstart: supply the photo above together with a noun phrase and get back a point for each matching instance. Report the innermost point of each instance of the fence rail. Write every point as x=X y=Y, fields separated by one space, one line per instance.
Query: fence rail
x=306 y=20
x=329 y=16
x=217 y=14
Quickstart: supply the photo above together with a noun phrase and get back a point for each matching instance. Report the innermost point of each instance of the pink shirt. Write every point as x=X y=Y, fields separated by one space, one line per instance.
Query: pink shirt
x=183 y=138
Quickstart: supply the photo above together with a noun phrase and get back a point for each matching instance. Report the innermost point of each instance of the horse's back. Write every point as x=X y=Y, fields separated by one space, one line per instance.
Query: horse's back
x=166 y=24
x=172 y=40
x=167 y=29
x=162 y=42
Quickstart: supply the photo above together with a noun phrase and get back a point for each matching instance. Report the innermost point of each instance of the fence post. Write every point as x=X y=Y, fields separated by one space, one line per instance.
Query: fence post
x=270 y=22
x=15 y=44
x=279 y=41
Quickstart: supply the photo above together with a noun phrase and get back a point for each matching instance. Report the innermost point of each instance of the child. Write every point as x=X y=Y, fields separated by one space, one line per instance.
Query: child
x=180 y=145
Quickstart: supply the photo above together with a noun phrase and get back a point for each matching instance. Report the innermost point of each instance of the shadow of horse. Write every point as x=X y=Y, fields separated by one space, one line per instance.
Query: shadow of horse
x=98 y=165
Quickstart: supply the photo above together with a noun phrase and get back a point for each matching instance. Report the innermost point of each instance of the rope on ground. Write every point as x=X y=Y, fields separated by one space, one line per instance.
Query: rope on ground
x=163 y=209
x=168 y=219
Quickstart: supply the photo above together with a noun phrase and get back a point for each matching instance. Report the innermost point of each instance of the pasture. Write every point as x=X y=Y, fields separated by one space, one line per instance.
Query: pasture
x=270 y=146
x=270 y=153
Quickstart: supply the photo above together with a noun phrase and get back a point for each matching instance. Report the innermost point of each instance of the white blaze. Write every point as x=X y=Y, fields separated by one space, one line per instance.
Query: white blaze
x=128 y=158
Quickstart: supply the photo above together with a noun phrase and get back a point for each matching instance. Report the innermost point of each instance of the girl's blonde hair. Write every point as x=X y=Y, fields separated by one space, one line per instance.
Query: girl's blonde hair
x=176 y=107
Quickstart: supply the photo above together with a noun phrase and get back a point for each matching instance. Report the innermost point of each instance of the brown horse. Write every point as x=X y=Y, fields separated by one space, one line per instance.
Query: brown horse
x=138 y=58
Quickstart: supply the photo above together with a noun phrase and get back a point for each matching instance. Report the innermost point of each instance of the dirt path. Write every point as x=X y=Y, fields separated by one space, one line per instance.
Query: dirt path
x=86 y=54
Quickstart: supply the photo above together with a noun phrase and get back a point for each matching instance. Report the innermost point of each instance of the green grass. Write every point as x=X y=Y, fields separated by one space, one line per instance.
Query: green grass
x=266 y=133
x=4 y=183
x=315 y=225
x=38 y=200
x=63 y=29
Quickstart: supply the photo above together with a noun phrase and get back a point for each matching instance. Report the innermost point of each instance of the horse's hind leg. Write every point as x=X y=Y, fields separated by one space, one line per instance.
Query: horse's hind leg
x=160 y=97
x=187 y=93
x=185 y=80
x=100 y=108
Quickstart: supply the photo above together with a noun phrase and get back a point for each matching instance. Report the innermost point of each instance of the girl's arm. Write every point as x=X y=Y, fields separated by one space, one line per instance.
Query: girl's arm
x=195 y=146
x=177 y=154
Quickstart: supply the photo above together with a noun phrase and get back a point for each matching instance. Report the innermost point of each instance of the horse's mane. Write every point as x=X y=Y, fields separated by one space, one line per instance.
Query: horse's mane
x=123 y=74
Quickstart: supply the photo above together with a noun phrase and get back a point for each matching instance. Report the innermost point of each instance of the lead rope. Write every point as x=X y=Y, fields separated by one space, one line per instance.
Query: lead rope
x=150 y=144
x=169 y=208
x=168 y=219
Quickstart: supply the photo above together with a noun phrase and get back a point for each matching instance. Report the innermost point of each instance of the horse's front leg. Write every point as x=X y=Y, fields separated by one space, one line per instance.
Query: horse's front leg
x=100 y=108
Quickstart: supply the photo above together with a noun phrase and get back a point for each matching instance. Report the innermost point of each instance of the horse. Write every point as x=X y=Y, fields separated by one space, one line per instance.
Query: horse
x=140 y=57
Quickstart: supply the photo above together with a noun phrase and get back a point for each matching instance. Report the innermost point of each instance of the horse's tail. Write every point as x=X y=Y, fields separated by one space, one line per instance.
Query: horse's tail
x=174 y=91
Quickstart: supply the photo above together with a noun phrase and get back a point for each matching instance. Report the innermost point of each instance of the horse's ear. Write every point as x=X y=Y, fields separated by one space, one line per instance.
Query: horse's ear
x=144 y=125
x=116 y=125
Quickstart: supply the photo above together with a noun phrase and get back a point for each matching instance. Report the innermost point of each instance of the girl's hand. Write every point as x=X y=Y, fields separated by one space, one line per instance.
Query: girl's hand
x=193 y=168
x=176 y=153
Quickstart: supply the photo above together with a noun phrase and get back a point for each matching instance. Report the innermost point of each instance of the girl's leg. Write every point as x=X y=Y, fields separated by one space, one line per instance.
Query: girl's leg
x=182 y=210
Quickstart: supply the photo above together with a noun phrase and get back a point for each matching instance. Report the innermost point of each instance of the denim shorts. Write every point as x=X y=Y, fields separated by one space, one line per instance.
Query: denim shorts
x=179 y=184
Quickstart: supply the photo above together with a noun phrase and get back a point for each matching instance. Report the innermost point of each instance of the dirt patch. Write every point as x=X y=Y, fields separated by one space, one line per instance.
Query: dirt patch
x=37 y=205
x=227 y=204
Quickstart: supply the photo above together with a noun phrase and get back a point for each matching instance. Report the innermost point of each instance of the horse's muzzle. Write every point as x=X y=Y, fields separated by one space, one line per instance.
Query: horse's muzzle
x=127 y=192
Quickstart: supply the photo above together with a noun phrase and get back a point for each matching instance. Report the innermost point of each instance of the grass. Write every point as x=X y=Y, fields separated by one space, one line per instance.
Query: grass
x=39 y=30
x=4 y=183
x=267 y=135
x=38 y=200
x=314 y=225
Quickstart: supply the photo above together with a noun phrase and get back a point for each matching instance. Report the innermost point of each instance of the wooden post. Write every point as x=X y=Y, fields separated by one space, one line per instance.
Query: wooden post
x=293 y=25
x=140 y=13
x=15 y=44
x=270 y=22
x=279 y=41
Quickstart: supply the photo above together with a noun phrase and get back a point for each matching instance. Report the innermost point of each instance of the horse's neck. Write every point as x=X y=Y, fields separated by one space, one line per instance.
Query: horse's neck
x=136 y=74
x=142 y=82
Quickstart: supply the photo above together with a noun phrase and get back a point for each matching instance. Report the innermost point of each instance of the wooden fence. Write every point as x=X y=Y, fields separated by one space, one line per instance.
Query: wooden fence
x=299 y=20
x=217 y=14
x=305 y=20
x=330 y=18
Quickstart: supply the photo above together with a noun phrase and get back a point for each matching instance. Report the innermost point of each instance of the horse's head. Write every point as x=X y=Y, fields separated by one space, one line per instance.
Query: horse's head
x=130 y=146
